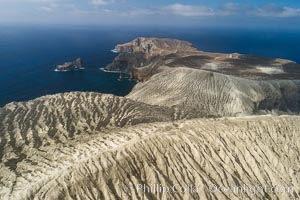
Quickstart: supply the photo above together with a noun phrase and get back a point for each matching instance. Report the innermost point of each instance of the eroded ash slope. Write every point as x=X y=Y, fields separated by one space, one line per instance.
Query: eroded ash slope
x=250 y=151
x=217 y=94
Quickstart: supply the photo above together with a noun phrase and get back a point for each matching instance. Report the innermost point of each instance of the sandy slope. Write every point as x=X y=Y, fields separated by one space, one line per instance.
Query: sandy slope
x=217 y=94
x=110 y=164
x=57 y=118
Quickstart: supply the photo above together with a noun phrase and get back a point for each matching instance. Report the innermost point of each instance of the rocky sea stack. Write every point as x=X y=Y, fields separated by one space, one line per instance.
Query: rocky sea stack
x=69 y=66
x=198 y=125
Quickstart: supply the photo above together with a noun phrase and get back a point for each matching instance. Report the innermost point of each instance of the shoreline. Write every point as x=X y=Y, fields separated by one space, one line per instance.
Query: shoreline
x=115 y=72
x=107 y=71
x=114 y=51
x=57 y=70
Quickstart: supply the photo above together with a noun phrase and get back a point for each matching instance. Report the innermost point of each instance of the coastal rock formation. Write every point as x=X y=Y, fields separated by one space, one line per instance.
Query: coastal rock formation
x=214 y=83
x=144 y=56
x=195 y=159
x=217 y=94
x=151 y=47
x=143 y=51
x=69 y=66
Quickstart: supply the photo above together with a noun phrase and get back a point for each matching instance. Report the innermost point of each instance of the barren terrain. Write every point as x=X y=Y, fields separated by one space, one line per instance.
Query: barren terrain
x=198 y=125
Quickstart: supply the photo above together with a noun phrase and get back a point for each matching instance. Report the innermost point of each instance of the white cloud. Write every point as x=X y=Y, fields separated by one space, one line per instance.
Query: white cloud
x=99 y=2
x=24 y=1
x=50 y=7
x=137 y=12
x=202 y=11
x=234 y=8
x=186 y=10
x=272 y=10
x=99 y=8
x=290 y=12
x=45 y=9
x=189 y=10
x=269 y=10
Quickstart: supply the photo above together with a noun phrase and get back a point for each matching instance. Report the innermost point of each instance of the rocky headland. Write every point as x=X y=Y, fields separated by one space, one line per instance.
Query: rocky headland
x=70 y=66
x=144 y=57
x=198 y=123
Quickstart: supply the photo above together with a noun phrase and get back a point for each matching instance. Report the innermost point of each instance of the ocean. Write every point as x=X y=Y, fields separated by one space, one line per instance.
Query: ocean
x=28 y=55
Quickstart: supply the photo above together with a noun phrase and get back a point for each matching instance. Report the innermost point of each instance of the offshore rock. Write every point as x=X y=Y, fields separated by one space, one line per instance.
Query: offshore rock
x=69 y=66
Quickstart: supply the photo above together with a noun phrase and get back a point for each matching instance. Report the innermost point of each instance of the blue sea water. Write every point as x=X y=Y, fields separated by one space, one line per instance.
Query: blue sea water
x=28 y=55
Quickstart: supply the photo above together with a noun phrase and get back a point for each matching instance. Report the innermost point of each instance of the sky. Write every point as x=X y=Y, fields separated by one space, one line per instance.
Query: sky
x=155 y=12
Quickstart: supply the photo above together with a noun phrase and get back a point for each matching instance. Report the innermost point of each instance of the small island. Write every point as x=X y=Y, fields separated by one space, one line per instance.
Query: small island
x=70 y=66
